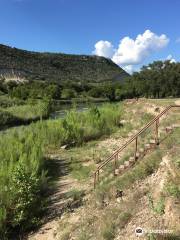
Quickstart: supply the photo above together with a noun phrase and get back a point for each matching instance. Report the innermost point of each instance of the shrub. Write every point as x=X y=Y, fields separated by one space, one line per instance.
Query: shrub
x=75 y=194
x=159 y=206
x=25 y=188
x=173 y=189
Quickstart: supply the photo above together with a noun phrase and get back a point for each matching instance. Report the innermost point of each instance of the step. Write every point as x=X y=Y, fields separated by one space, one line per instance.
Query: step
x=126 y=164
x=130 y=134
x=141 y=150
x=152 y=141
x=121 y=168
x=137 y=155
x=132 y=160
x=168 y=129
x=116 y=172
x=147 y=146
x=176 y=125
x=135 y=131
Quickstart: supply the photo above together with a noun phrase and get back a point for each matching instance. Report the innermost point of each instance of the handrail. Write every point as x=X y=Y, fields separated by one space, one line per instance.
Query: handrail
x=156 y=119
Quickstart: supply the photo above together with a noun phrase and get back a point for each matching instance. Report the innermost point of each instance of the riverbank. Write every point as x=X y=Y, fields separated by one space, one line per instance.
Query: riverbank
x=16 y=113
x=23 y=114
x=24 y=154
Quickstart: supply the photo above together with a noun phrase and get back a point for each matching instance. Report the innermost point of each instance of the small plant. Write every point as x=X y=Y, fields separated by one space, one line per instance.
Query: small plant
x=79 y=171
x=173 y=189
x=108 y=232
x=75 y=194
x=84 y=235
x=152 y=236
x=159 y=207
x=123 y=219
x=65 y=235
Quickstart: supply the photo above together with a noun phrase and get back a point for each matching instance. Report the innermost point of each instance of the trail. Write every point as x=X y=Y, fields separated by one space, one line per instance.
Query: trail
x=177 y=102
x=59 y=169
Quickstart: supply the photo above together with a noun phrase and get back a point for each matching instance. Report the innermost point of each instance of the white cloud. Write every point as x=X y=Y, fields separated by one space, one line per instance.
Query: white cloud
x=170 y=58
x=130 y=51
x=104 y=49
x=135 y=51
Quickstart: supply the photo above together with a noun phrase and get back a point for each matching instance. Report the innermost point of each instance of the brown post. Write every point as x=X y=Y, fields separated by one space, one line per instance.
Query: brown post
x=98 y=175
x=136 y=143
x=156 y=132
x=115 y=163
x=94 y=180
x=116 y=159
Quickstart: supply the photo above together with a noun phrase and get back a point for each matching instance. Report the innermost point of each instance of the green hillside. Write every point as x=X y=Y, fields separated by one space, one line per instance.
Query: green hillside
x=58 y=67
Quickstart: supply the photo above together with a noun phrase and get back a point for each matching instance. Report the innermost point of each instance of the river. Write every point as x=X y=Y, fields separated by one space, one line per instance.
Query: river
x=63 y=109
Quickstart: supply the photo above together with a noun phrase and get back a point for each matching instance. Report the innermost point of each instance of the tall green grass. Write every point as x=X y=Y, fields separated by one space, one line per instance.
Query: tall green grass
x=19 y=114
x=22 y=159
x=6 y=101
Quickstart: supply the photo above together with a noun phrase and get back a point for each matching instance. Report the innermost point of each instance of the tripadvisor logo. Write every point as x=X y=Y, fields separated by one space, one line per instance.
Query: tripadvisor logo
x=139 y=231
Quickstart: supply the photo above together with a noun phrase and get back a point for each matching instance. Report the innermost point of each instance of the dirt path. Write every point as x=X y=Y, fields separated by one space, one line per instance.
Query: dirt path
x=177 y=102
x=59 y=169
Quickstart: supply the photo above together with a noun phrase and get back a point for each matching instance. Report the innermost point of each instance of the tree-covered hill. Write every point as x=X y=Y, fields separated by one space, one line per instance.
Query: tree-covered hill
x=58 y=67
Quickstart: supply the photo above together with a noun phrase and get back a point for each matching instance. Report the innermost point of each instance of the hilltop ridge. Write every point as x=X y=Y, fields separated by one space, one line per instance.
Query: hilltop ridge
x=58 y=67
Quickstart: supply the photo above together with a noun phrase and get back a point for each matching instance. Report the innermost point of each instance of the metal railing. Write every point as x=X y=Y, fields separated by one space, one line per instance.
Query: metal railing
x=114 y=156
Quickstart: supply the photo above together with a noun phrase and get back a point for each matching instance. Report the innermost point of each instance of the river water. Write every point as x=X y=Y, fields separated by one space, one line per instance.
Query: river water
x=63 y=109
x=59 y=113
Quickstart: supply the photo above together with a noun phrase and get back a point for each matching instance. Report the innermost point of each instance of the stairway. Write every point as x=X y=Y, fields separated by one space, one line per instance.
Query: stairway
x=139 y=152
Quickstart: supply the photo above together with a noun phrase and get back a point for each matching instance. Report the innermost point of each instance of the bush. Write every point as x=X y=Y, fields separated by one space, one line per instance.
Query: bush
x=25 y=188
x=6 y=118
x=73 y=127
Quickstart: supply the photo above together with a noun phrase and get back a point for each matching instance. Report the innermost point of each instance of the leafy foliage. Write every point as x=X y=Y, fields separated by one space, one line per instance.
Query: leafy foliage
x=157 y=80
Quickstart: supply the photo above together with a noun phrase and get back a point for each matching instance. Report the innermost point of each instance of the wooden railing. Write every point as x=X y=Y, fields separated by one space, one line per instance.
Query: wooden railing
x=114 y=156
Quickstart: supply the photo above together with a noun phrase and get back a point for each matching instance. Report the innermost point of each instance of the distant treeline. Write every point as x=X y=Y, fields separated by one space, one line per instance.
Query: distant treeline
x=157 y=80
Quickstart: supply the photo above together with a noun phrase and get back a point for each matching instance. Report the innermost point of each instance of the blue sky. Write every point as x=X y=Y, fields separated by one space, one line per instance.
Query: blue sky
x=75 y=26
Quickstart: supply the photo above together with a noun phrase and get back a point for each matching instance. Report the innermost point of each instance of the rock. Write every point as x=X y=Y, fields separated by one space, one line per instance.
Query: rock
x=152 y=141
x=126 y=163
x=157 y=109
x=141 y=150
x=123 y=121
x=119 y=200
x=121 y=168
x=131 y=159
x=147 y=146
x=116 y=171
x=64 y=146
